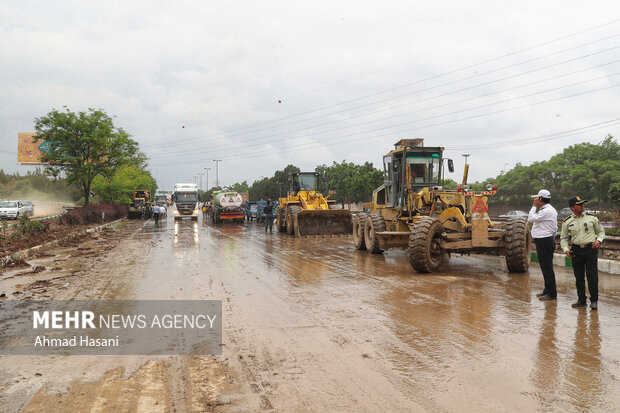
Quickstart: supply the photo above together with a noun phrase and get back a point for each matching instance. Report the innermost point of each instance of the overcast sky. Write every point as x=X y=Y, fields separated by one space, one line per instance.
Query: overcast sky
x=263 y=84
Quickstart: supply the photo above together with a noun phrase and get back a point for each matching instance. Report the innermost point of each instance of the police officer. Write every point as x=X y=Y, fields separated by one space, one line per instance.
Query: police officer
x=544 y=219
x=586 y=235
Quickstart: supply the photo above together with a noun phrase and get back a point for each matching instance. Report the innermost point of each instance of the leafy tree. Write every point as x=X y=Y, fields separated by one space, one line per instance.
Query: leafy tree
x=84 y=145
x=274 y=187
x=614 y=194
x=119 y=188
x=449 y=184
x=352 y=183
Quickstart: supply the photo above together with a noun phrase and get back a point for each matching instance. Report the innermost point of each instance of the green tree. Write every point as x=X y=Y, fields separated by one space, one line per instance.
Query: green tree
x=120 y=186
x=614 y=194
x=352 y=183
x=84 y=145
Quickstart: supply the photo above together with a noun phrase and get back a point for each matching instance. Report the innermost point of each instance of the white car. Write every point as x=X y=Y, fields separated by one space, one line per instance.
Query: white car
x=28 y=206
x=514 y=214
x=12 y=210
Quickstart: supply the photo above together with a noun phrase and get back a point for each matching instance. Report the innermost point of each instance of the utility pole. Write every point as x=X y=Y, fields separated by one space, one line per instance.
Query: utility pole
x=466 y=155
x=196 y=179
x=506 y=165
x=200 y=174
x=217 y=178
x=207 y=169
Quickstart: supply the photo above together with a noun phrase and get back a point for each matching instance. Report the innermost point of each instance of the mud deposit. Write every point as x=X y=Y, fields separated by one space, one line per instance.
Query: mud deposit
x=313 y=325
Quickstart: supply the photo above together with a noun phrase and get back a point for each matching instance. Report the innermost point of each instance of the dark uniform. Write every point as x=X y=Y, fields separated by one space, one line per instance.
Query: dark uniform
x=268 y=211
x=584 y=232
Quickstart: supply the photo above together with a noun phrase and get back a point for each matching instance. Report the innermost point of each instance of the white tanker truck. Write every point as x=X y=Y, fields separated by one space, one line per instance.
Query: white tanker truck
x=226 y=206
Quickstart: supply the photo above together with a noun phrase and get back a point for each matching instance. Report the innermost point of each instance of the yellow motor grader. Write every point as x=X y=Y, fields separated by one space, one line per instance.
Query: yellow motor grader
x=412 y=211
x=305 y=211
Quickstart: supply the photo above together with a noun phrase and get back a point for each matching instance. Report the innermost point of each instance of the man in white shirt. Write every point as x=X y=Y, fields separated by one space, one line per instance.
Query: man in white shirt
x=156 y=213
x=544 y=219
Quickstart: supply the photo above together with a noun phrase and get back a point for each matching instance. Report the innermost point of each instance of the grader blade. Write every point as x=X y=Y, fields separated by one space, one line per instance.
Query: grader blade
x=323 y=222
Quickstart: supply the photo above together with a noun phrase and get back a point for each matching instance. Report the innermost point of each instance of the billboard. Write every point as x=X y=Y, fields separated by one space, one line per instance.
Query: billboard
x=28 y=151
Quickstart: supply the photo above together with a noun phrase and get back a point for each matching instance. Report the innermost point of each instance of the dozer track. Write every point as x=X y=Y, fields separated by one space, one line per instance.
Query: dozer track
x=323 y=222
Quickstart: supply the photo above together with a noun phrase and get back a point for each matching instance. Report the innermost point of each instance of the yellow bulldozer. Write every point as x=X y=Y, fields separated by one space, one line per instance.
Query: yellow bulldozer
x=412 y=211
x=305 y=211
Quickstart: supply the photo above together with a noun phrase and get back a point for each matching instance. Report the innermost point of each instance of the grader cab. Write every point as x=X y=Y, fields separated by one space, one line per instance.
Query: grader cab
x=305 y=211
x=412 y=211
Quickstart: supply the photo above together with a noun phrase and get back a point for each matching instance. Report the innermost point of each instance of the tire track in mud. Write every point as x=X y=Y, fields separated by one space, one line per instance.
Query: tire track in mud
x=332 y=330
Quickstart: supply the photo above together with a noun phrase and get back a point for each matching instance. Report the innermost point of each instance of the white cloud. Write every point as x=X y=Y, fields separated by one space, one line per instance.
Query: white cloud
x=219 y=68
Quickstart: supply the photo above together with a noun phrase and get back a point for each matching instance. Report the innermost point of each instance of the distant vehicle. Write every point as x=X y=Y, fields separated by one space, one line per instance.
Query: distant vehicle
x=260 y=217
x=12 y=210
x=566 y=212
x=513 y=214
x=251 y=210
x=29 y=207
x=563 y=213
x=163 y=197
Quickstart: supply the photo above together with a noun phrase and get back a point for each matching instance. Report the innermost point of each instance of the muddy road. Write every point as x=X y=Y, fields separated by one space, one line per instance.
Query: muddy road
x=314 y=325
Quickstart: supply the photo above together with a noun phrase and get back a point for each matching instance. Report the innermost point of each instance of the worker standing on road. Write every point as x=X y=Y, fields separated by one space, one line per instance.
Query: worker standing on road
x=156 y=213
x=544 y=219
x=268 y=211
x=586 y=234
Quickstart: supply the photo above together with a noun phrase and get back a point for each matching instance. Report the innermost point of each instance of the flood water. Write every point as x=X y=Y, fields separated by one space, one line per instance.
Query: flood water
x=312 y=324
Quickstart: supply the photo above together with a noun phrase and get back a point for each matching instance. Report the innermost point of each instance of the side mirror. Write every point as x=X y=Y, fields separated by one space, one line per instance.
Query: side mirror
x=450 y=165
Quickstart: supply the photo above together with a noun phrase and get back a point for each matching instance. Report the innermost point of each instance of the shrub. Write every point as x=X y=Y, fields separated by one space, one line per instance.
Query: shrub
x=92 y=214
x=72 y=217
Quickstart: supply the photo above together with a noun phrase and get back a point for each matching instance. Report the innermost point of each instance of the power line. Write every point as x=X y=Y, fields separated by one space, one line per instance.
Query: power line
x=189 y=140
x=235 y=145
x=320 y=142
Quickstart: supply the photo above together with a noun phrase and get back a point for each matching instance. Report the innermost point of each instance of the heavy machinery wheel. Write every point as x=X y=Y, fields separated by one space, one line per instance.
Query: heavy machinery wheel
x=518 y=245
x=281 y=221
x=425 y=251
x=374 y=223
x=358 y=230
x=291 y=214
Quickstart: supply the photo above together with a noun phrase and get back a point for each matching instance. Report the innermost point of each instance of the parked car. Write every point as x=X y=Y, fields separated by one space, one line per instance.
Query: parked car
x=513 y=214
x=28 y=206
x=565 y=212
x=11 y=209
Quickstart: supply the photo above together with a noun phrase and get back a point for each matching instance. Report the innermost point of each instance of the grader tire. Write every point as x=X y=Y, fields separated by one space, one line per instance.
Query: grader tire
x=358 y=230
x=518 y=245
x=425 y=252
x=290 y=219
x=374 y=223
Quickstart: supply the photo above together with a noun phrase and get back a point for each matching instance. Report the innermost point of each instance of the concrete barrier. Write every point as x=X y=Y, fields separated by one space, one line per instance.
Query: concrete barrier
x=604 y=265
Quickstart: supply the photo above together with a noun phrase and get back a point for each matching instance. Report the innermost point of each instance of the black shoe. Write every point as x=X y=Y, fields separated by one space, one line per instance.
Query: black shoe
x=579 y=304
x=546 y=298
x=594 y=305
x=541 y=294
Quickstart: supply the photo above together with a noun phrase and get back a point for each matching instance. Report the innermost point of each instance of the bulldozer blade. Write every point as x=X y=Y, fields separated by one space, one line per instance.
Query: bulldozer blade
x=323 y=222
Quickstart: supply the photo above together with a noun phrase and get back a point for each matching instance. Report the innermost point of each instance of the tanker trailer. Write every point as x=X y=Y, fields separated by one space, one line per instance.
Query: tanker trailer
x=226 y=206
x=185 y=198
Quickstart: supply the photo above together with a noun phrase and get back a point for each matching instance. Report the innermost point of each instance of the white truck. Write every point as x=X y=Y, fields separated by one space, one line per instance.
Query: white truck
x=185 y=198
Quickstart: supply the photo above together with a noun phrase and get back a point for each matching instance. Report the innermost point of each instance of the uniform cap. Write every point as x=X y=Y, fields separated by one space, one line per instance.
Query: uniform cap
x=543 y=193
x=576 y=201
